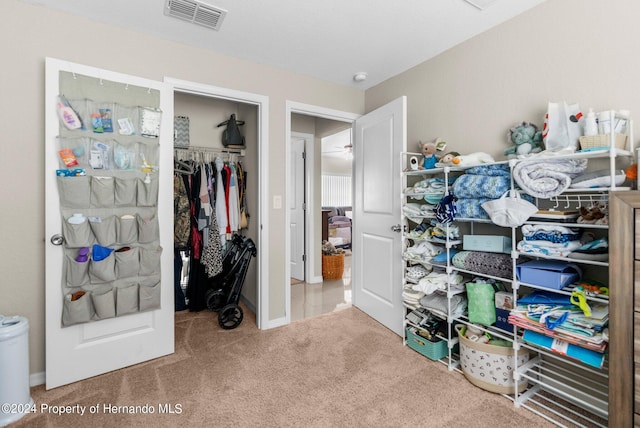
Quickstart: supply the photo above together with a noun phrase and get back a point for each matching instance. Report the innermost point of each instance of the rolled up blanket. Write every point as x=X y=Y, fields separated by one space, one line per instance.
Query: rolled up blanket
x=547 y=177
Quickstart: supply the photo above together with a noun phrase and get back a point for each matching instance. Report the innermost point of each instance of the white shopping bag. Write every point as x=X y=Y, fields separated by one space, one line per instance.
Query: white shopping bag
x=562 y=126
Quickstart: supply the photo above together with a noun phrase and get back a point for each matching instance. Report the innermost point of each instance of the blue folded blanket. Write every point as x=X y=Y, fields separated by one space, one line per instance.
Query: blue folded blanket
x=481 y=186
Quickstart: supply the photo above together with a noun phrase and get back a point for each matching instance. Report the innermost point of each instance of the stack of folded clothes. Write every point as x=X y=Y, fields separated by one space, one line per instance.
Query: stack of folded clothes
x=421 y=252
x=438 y=281
x=549 y=240
x=431 y=190
x=555 y=315
x=411 y=298
x=560 y=241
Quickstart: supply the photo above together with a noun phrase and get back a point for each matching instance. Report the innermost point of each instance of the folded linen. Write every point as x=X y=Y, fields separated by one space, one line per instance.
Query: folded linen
x=549 y=177
x=547 y=248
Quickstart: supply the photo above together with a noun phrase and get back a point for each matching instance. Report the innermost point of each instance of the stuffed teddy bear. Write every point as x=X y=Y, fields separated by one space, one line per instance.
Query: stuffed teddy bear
x=429 y=150
x=526 y=139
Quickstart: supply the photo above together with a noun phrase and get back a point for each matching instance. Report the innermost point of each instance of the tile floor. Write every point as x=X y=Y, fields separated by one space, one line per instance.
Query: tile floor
x=311 y=300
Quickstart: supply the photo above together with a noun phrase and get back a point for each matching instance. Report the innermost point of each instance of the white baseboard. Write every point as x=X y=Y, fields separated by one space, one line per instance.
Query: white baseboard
x=249 y=304
x=315 y=279
x=278 y=322
x=36 y=379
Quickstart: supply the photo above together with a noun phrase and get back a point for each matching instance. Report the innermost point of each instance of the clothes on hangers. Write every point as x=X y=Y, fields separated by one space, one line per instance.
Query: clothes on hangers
x=215 y=192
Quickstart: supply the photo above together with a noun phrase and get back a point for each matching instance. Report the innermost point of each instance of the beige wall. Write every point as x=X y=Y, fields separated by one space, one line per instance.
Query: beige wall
x=31 y=33
x=574 y=50
x=582 y=51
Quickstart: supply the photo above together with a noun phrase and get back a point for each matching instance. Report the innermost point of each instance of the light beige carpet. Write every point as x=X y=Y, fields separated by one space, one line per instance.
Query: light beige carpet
x=338 y=370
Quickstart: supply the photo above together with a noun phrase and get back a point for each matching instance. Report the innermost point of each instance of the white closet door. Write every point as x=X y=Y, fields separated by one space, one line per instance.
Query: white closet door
x=81 y=351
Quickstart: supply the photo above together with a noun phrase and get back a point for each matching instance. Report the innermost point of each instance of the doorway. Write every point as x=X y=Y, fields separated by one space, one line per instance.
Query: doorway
x=205 y=100
x=318 y=122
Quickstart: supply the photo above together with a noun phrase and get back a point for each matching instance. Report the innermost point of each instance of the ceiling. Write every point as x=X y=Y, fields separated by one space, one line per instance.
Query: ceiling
x=328 y=39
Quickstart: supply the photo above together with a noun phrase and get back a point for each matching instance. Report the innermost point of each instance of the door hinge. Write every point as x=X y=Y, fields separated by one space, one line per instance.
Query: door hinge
x=304 y=258
x=304 y=206
x=304 y=155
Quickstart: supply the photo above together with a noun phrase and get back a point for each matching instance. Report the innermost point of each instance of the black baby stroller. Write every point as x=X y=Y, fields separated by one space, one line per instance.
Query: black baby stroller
x=224 y=294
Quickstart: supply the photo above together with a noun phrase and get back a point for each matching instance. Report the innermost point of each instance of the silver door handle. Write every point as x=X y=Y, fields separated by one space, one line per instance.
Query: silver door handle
x=57 y=239
x=396 y=228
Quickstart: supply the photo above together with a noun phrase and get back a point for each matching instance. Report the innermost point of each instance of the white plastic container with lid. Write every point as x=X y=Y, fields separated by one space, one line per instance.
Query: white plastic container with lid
x=620 y=121
x=590 y=124
x=604 y=122
x=14 y=369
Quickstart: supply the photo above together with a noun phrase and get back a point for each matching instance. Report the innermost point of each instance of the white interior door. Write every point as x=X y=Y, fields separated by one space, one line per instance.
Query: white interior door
x=380 y=136
x=296 y=208
x=80 y=351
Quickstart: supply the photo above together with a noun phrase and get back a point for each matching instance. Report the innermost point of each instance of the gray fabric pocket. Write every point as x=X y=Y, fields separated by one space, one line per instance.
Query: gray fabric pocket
x=77 y=235
x=74 y=192
x=78 y=311
x=127 y=263
x=127 y=300
x=77 y=274
x=126 y=191
x=104 y=303
x=150 y=261
x=103 y=271
x=148 y=192
x=104 y=230
x=127 y=229
x=102 y=192
x=149 y=296
x=148 y=229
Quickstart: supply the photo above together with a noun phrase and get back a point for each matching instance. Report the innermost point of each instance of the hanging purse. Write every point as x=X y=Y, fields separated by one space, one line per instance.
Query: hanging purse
x=231 y=136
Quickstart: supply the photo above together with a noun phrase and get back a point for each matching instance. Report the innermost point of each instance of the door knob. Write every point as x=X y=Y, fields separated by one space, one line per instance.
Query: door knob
x=396 y=228
x=57 y=239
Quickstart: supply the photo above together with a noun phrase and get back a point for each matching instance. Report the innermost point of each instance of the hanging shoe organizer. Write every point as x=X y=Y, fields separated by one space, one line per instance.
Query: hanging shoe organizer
x=108 y=188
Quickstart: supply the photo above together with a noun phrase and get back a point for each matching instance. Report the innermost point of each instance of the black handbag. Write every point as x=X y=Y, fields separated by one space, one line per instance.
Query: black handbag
x=231 y=136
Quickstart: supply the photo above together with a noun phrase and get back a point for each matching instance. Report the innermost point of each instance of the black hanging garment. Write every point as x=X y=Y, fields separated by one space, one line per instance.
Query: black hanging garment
x=197 y=275
x=231 y=136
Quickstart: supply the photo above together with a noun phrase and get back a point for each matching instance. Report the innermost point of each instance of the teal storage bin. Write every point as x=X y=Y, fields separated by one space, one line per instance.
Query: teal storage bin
x=432 y=350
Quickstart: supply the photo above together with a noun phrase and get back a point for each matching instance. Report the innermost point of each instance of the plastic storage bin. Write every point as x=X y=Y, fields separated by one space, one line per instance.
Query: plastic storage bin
x=432 y=350
x=14 y=369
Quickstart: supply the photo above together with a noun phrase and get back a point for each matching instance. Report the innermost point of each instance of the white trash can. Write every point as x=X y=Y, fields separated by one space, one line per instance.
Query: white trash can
x=15 y=397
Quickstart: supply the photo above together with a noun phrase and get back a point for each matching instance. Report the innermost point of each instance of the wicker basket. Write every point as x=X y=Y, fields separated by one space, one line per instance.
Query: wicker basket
x=602 y=140
x=332 y=266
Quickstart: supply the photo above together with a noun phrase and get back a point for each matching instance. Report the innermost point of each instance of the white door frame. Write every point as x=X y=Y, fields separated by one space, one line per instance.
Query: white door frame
x=262 y=102
x=311 y=247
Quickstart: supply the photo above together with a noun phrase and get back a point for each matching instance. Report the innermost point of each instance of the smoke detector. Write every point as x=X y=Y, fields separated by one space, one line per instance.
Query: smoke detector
x=196 y=12
x=360 y=76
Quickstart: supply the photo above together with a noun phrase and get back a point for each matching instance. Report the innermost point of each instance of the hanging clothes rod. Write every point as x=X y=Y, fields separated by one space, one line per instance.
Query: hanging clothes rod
x=206 y=154
x=223 y=150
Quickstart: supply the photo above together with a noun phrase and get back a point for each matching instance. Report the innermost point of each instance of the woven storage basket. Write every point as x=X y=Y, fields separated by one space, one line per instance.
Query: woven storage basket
x=332 y=266
x=432 y=350
x=490 y=367
x=602 y=140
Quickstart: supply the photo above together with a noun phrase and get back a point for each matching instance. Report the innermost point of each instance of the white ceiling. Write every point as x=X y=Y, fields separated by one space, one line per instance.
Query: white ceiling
x=327 y=39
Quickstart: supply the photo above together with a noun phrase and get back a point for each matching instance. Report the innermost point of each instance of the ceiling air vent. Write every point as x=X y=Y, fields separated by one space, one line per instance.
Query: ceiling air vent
x=196 y=12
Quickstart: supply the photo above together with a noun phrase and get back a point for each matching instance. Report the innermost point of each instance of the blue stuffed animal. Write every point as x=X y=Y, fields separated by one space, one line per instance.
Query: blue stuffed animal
x=526 y=139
